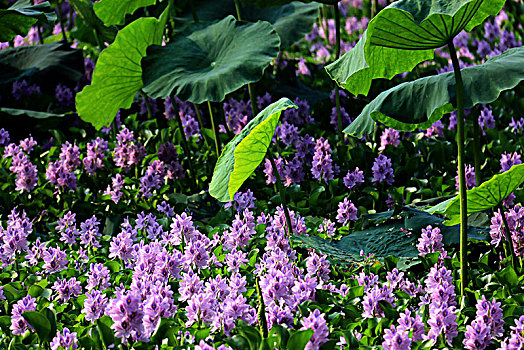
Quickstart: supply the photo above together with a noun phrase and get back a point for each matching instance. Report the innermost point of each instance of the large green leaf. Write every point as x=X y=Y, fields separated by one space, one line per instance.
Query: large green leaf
x=118 y=74
x=41 y=62
x=40 y=323
x=404 y=34
x=115 y=11
x=299 y=339
x=291 y=21
x=418 y=104
x=20 y=17
x=245 y=151
x=30 y=113
x=207 y=62
x=84 y=9
x=486 y=196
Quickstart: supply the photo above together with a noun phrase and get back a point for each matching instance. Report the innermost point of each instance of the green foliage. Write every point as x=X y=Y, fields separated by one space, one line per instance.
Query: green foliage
x=118 y=74
x=40 y=323
x=32 y=114
x=207 y=62
x=115 y=11
x=55 y=61
x=299 y=339
x=84 y=10
x=486 y=196
x=404 y=34
x=418 y=104
x=20 y=17
x=245 y=151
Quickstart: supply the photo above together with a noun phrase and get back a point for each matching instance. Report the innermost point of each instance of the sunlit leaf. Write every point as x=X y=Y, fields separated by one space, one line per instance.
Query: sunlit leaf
x=115 y=11
x=486 y=196
x=20 y=17
x=118 y=74
x=209 y=61
x=404 y=34
x=242 y=155
x=418 y=104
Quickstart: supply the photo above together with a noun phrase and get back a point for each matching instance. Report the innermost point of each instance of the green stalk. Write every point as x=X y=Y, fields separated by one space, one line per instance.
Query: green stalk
x=226 y=125
x=462 y=170
x=509 y=240
x=193 y=11
x=148 y=105
x=199 y=117
x=215 y=129
x=476 y=150
x=282 y=193
x=337 y=55
x=262 y=321
x=249 y=86
x=373 y=8
x=61 y=19
x=185 y=146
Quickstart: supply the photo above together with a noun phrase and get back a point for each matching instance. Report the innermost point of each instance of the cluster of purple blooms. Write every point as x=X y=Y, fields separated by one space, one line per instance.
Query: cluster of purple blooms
x=61 y=172
x=515 y=220
x=382 y=170
x=487 y=325
x=22 y=88
x=127 y=151
x=13 y=239
x=187 y=114
x=26 y=172
x=323 y=167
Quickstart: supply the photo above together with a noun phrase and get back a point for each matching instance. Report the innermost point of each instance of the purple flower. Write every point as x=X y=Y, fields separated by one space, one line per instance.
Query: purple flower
x=99 y=277
x=436 y=129
x=18 y=323
x=89 y=232
x=508 y=160
x=127 y=151
x=318 y=265
x=64 y=96
x=165 y=209
x=24 y=89
x=302 y=67
x=346 y=212
x=346 y=119
x=167 y=153
x=517 y=126
x=153 y=178
x=263 y=101
x=4 y=137
x=115 y=189
x=389 y=137
x=408 y=324
x=430 y=241
x=322 y=166
x=242 y=201
x=486 y=119
x=66 y=340
x=477 y=336
x=352 y=178
x=396 y=339
x=67 y=228
x=317 y=323
x=54 y=260
x=470 y=178
x=126 y=312
x=382 y=171
x=96 y=153
x=67 y=289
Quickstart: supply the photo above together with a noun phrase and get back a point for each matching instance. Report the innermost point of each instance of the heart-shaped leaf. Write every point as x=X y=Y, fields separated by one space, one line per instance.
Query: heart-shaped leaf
x=20 y=17
x=207 y=62
x=115 y=11
x=242 y=155
x=291 y=21
x=404 y=34
x=418 y=104
x=39 y=322
x=118 y=74
x=55 y=62
x=486 y=196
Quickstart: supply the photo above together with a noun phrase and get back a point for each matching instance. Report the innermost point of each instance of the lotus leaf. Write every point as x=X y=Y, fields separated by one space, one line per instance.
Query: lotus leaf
x=404 y=34
x=115 y=11
x=245 y=151
x=486 y=196
x=118 y=74
x=20 y=17
x=207 y=62
x=418 y=104
x=84 y=9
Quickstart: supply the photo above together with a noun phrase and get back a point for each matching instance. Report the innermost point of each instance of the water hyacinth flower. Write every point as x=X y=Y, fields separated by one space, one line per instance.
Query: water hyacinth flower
x=94 y=305
x=126 y=312
x=96 y=153
x=66 y=289
x=396 y=339
x=389 y=137
x=242 y=201
x=486 y=120
x=55 y=260
x=508 y=160
x=4 y=137
x=66 y=340
x=323 y=166
x=346 y=212
x=317 y=323
x=430 y=241
x=353 y=178
x=470 y=178
x=382 y=170
x=18 y=323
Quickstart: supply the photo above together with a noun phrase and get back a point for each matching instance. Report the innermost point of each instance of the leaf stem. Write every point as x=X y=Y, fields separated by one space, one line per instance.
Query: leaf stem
x=61 y=19
x=282 y=193
x=215 y=129
x=148 y=105
x=237 y=7
x=252 y=99
x=337 y=55
x=262 y=321
x=476 y=150
x=509 y=240
x=461 y=169
x=199 y=117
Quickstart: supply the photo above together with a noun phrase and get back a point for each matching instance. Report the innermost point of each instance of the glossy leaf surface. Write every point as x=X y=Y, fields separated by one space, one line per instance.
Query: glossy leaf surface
x=115 y=11
x=20 y=17
x=418 y=104
x=404 y=34
x=209 y=61
x=118 y=74
x=242 y=155
x=486 y=196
